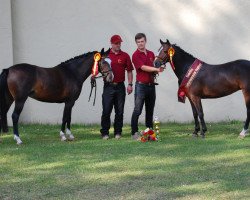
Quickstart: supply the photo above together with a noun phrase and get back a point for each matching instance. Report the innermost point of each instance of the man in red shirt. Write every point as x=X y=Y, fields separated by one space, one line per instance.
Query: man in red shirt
x=114 y=93
x=145 y=87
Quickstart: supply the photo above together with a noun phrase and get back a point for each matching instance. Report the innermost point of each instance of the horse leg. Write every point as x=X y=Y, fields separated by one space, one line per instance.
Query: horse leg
x=203 y=123
x=197 y=103
x=67 y=120
x=196 y=120
x=246 y=94
x=68 y=132
x=1 y=123
x=8 y=103
x=15 y=117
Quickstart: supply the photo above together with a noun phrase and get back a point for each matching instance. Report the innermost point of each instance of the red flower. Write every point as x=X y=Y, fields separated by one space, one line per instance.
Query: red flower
x=150 y=132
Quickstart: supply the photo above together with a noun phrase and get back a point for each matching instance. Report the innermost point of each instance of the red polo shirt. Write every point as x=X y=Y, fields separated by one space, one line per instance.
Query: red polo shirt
x=119 y=63
x=140 y=58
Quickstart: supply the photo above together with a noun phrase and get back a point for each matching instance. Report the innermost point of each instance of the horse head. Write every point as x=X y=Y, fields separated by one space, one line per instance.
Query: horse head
x=166 y=53
x=104 y=66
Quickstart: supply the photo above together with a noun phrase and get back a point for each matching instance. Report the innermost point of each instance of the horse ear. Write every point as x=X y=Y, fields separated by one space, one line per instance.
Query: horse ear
x=161 y=42
x=107 y=52
x=168 y=42
x=102 y=51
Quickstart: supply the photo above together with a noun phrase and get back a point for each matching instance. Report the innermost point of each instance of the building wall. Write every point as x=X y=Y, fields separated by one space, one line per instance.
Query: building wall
x=6 y=51
x=46 y=33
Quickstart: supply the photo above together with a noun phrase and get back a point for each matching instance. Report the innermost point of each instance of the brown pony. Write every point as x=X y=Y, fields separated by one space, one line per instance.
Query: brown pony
x=211 y=81
x=59 y=84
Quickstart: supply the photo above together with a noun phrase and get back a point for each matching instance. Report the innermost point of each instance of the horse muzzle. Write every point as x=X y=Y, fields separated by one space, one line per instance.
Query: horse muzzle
x=158 y=63
x=109 y=77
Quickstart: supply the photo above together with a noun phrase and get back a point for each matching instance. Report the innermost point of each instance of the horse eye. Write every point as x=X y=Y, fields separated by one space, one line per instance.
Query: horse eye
x=165 y=51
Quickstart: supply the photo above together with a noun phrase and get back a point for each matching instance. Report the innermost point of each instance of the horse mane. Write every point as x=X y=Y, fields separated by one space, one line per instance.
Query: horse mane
x=182 y=51
x=75 y=58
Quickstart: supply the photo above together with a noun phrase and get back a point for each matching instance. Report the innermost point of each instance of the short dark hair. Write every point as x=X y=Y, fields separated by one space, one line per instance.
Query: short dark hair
x=139 y=36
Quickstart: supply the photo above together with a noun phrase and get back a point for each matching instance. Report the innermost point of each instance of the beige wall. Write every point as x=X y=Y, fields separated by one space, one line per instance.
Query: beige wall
x=6 y=56
x=6 y=51
x=48 y=32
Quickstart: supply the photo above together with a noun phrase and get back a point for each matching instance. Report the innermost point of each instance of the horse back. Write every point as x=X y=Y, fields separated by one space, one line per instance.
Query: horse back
x=215 y=81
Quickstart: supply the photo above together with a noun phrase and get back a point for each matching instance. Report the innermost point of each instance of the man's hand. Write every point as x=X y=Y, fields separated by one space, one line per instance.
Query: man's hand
x=160 y=69
x=129 y=89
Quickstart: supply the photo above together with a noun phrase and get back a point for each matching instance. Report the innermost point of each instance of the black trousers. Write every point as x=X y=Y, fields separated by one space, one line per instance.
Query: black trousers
x=143 y=94
x=113 y=96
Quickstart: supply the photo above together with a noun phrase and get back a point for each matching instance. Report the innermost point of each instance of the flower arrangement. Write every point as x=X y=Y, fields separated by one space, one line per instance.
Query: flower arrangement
x=148 y=135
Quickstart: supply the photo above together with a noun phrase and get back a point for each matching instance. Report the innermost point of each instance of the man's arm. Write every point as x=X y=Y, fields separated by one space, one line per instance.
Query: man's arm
x=130 y=82
x=151 y=69
x=130 y=77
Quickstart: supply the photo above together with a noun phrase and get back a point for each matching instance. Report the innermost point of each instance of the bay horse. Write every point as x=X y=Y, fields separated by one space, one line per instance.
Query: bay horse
x=209 y=81
x=60 y=84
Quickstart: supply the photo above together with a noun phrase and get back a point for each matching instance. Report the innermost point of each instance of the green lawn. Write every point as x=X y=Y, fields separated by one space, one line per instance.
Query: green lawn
x=177 y=167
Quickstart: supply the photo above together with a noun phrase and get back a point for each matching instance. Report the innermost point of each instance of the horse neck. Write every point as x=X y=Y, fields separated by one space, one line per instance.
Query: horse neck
x=182 y=61
x=81 y=67
x=84 y=70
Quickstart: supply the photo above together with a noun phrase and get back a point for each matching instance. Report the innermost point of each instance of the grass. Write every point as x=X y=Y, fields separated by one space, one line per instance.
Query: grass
x=177 y=167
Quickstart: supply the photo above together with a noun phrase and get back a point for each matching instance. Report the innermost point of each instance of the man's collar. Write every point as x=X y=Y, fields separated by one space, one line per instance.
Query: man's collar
x=116 y=53
x=138 y=50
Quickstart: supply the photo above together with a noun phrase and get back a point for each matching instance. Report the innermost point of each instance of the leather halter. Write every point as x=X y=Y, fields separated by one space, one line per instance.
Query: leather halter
x=168 y=57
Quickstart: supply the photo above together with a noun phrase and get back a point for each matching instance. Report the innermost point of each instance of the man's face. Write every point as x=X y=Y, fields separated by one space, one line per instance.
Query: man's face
x=141 y=43
x=116 y=46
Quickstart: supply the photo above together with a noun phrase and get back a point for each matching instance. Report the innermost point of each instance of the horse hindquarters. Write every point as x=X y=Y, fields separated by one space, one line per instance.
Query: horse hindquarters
x=246 y=94
x=20 y=82
x=5 y=100
x=244 y=84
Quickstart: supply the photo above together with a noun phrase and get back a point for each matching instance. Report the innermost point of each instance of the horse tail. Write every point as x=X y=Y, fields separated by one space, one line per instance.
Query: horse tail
x=3 y=91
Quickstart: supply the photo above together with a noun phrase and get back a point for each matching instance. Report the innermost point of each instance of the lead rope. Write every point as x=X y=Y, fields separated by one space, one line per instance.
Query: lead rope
x=94 y=76
x=93 y=85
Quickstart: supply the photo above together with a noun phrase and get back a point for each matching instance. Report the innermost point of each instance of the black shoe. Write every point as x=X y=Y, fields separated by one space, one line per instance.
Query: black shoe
x=136 y=136
x=118 y=136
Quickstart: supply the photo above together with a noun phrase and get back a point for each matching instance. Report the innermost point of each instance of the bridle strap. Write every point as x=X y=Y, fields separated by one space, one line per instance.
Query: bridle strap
x=162 y=59
x=94 y=85
x=104 y=74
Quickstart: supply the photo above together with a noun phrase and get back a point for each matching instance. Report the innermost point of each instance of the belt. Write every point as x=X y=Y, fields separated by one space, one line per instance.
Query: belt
x=114 y=83
x=148 y=84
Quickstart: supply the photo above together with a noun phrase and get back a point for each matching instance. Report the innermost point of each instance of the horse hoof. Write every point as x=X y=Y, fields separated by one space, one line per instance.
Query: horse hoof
x=71 y=137
x=62 y=135
x=202 y=136
x=63 y=139
x=18 y=140
x=243 y=133
x=194 y=135
x=242 y=136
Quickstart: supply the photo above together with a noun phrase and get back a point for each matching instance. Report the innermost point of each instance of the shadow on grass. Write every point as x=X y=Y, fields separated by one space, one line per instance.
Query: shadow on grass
x=90 y=168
